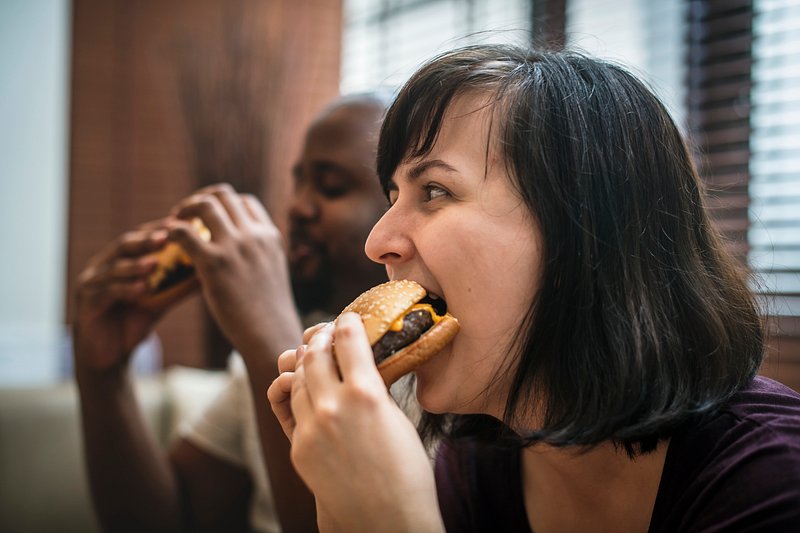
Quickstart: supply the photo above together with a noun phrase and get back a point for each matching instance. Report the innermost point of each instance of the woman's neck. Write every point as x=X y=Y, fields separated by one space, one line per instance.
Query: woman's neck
x=599 y=490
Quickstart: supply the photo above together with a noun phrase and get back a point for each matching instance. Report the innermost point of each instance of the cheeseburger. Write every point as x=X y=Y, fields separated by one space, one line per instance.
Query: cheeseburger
x=405 y=327
x=174 y=275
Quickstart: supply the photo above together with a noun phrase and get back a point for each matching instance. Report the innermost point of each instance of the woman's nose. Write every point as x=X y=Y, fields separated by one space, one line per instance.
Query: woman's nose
x=390 y=241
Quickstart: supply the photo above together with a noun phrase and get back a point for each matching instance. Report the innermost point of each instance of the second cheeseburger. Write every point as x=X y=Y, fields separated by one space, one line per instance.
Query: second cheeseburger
x=404 y=326
x=174 y=276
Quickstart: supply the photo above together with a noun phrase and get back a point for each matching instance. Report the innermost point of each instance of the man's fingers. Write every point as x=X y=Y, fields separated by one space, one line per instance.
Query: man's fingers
x=256 y=209
x=132 y=268
x=209 y=209
x=127 y=291
x=121 y=270
x=124 y=291
x=199 y=194
x=154 y=225
x=131 y=244
x=234 y=205
x=216 y=188
x=185 y=234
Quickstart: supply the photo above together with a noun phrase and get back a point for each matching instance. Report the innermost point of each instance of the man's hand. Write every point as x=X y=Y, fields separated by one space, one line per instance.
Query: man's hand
x=109 y=324
x=243 y=269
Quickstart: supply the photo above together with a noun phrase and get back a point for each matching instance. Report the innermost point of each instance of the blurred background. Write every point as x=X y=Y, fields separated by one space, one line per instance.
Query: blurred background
x=112 y=110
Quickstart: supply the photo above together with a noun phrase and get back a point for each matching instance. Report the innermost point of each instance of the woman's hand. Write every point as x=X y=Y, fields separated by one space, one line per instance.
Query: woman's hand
x=280 y=392
x=351 y=444
x=243 y=269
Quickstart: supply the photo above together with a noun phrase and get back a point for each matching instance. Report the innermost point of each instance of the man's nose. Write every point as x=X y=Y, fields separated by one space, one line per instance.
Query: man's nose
x=303 y=205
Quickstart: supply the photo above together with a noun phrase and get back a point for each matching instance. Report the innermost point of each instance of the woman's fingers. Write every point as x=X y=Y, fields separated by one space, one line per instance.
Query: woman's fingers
x=318 y=365
x=279 y=396
x=309 y=332
x=300 y=401
x=353 y=352
x=287 y=361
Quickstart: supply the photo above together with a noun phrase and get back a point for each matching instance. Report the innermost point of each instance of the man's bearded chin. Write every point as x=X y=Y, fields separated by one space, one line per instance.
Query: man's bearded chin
x=313 y=293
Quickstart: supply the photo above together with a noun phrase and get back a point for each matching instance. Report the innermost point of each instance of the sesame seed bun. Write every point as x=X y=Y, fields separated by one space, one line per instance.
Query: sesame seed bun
x=382 y=306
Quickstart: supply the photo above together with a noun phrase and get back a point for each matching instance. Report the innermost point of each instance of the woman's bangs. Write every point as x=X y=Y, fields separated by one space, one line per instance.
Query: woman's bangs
x=413 y=122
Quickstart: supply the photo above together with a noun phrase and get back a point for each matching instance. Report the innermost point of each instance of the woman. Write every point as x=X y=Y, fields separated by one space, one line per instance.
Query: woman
x=603 y=379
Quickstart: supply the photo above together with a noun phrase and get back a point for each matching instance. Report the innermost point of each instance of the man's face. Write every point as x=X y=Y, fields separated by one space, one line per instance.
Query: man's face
x=337 y=201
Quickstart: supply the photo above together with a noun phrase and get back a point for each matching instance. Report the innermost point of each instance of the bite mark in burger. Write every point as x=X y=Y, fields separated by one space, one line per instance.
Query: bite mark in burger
x=404 y=326
x=174 y=276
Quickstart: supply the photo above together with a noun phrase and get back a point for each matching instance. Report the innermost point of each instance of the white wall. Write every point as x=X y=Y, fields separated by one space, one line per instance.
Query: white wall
x=34 y=104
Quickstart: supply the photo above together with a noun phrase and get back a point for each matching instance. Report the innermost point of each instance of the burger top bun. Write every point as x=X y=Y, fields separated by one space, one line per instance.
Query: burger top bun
x=381 y=305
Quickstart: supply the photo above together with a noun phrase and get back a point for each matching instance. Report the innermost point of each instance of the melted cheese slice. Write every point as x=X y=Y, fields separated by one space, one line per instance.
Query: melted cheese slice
x=397 y=325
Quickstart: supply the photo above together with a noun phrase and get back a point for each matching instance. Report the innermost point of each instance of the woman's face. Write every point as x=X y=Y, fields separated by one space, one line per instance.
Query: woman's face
x=457 y=227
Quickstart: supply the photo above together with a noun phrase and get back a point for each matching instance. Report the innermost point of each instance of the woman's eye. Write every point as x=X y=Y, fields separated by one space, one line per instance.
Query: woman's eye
x=433 y=192
x=392 y=194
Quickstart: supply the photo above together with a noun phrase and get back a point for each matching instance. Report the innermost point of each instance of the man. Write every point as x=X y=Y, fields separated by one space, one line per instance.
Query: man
x=213 y=476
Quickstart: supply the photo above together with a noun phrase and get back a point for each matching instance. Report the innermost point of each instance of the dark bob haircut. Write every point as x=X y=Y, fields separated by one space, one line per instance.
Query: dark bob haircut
x=643 y=321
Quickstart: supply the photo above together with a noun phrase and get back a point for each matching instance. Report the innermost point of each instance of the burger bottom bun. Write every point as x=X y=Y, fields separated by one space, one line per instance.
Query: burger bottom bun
x=429 y=344
x=160 y=300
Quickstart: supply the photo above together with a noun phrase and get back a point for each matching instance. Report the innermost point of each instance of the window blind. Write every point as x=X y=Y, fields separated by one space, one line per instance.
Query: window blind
x=719 y=109
x=744 y=118
x=774 y=214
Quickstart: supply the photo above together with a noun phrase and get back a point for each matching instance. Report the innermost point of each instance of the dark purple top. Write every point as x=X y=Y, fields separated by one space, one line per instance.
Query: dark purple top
x=738 y=470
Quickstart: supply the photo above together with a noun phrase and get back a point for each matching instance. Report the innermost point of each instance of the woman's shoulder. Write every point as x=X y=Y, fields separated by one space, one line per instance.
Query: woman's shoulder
x=764 y=400
x=740 y=466
x=760 y=421
x=765 y=415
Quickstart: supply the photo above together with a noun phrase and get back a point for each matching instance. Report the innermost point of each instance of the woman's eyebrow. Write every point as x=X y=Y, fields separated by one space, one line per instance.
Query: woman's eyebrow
x=417 y=170
x=420 y=168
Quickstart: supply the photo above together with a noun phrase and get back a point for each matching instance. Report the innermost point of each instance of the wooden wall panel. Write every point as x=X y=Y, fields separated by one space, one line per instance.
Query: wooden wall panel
x=169 y=95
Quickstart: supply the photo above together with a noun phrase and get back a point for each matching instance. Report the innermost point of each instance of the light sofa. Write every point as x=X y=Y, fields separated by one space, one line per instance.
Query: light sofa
x=43 y=485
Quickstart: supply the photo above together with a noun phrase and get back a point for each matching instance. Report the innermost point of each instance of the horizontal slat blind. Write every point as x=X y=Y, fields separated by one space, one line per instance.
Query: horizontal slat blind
x=775 y=163
x=719 y=109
